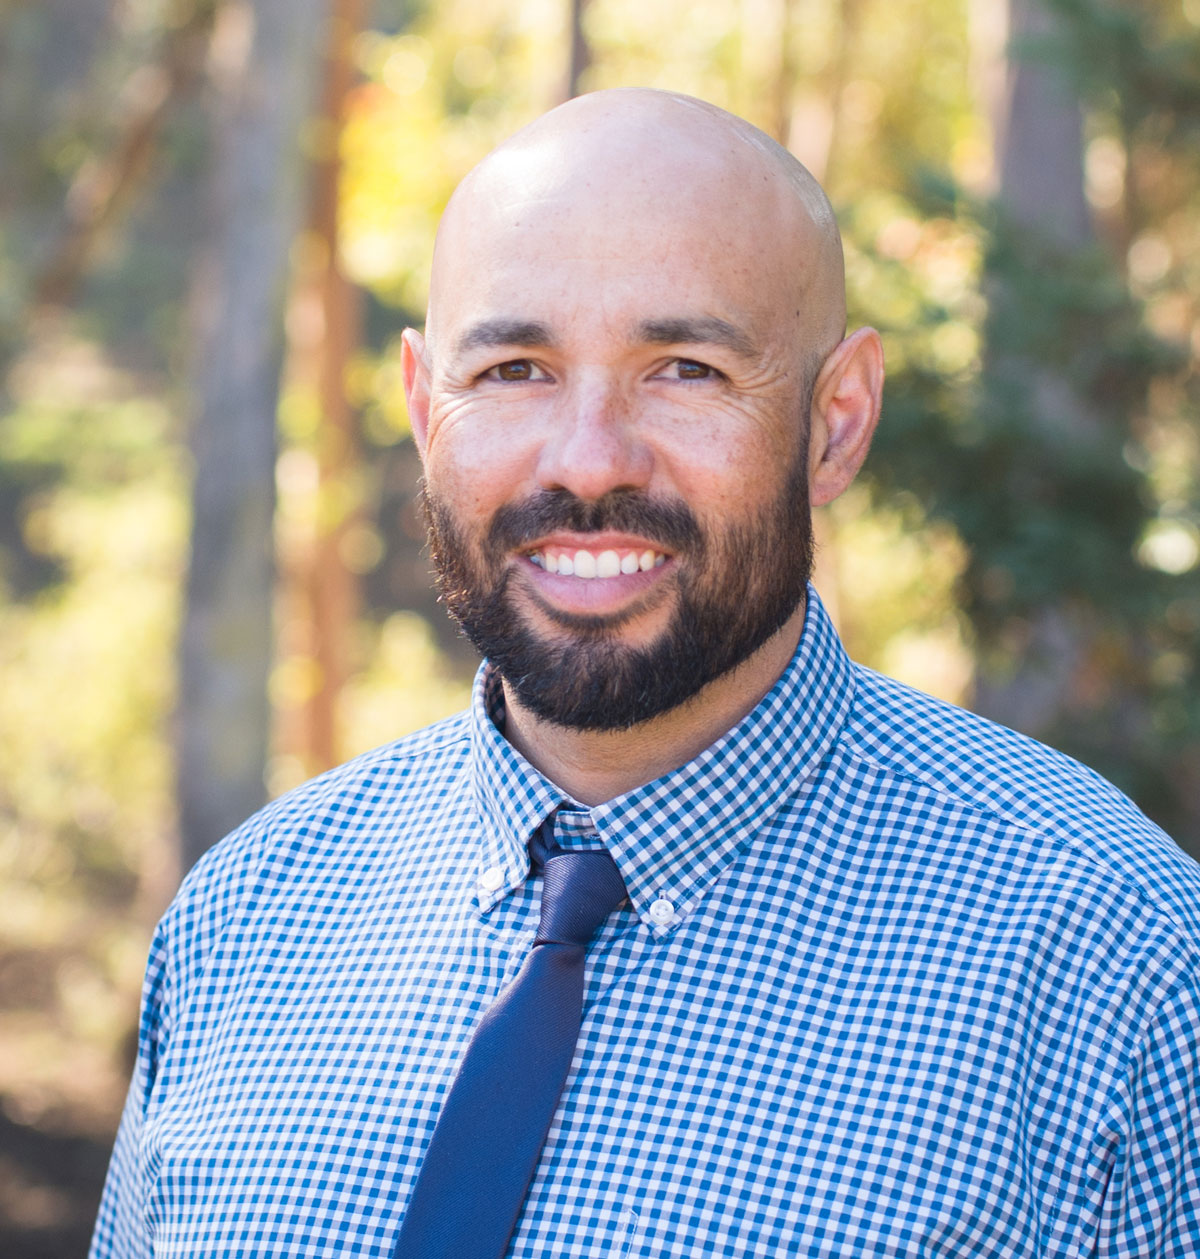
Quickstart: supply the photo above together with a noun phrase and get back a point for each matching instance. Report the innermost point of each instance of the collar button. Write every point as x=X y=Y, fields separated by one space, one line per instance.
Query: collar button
x=492 y=879
x=662 y=911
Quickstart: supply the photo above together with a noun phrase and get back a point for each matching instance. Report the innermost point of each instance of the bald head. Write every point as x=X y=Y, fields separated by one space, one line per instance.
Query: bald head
x=634 y=175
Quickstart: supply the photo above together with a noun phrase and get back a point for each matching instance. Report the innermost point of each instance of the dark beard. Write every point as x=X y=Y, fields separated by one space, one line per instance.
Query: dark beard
x=734 y=591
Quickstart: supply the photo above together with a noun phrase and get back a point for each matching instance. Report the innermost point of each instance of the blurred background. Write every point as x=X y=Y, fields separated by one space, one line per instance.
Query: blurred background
x=216 y=217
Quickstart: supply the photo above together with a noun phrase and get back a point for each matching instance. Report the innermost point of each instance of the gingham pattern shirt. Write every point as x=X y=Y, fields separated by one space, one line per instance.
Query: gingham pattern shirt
x=892 y=981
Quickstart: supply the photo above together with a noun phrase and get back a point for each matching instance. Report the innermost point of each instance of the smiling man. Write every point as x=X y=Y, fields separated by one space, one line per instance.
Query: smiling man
x=691 y=938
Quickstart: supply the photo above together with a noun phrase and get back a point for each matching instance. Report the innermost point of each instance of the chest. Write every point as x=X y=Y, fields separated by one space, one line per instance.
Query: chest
x=757 y=1084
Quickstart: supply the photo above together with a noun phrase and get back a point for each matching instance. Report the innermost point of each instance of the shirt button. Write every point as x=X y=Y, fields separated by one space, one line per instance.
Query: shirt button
x=662 y=911
x=492 y=879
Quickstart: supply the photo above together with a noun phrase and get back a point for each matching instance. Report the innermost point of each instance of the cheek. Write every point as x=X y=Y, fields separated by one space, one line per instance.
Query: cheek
x=475 y=463
x=727 y=480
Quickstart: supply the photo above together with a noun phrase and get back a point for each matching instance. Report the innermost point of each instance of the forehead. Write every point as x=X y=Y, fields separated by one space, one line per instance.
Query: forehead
x=621 y=245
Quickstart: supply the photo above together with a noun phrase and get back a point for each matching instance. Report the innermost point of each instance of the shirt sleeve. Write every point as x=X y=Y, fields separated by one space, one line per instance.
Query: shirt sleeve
x=211 y=893
x=120 y=1231
x=1151 y=1206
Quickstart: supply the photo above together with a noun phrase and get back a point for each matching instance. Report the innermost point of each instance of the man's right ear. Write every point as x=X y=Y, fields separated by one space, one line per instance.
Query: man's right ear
x=414 y=369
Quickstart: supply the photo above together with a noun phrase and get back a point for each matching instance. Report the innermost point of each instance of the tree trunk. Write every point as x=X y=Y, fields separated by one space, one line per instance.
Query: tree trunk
x=1039 y=140
x=321 y=591
x=265 y=55
x=580 y=52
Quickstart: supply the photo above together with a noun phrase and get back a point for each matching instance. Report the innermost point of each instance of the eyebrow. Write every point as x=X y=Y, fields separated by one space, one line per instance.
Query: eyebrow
x=702 y=329
x=678 y=330
x=497 y=332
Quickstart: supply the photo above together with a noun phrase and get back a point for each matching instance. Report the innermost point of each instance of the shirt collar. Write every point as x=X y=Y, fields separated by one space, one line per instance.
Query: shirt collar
x=672 y=838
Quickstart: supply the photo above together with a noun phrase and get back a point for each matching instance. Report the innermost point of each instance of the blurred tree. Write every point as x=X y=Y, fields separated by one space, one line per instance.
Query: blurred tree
x=1039 y=132
x=107 y=182
x=265 y=58
x=321 y=562
x=91 y=494
x=1080 y=579
x=47 y=58
x=580 y=50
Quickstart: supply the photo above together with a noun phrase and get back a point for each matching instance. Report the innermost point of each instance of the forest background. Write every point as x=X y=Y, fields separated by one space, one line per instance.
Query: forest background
x=216 y=217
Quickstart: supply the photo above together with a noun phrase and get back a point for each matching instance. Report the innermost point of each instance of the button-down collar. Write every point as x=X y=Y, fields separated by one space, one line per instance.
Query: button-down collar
x=673 y=837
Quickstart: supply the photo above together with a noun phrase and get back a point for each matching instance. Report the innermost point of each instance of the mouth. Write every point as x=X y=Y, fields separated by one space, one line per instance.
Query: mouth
x=599 y=564
x=584 y=581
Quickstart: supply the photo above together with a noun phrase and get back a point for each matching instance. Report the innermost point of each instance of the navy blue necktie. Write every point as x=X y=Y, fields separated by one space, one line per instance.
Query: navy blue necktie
x=495 y=1119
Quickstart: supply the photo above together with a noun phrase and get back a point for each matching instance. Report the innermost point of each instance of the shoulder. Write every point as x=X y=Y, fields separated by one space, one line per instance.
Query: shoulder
x=1043 y=800
x=332 y=818
x=379 y=779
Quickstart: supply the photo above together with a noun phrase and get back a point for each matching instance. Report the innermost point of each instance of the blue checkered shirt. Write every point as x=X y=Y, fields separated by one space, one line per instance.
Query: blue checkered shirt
x=891 y=981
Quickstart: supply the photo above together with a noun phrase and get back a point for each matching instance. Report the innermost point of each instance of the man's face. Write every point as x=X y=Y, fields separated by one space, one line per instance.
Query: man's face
x=615 y=454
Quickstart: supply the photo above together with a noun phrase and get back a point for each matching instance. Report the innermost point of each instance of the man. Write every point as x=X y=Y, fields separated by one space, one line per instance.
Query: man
x=888 y=980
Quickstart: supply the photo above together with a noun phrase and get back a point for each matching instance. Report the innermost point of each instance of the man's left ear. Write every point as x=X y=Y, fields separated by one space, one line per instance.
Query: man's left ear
x=845 y=410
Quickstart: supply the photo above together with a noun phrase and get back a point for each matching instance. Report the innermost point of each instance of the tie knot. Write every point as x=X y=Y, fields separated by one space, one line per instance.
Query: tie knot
x=579 y=891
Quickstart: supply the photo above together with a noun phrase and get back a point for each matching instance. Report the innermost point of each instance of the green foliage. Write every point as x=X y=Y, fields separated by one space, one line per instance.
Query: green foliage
x=1142 y=62
x=63 y=65
x=85 y=799
x=1040 y=471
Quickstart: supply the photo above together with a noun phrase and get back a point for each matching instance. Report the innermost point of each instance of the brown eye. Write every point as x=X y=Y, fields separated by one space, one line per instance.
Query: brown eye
x=518 y=369
x=688 y=369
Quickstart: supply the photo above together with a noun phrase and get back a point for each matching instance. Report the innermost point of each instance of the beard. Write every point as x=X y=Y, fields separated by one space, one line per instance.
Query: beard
x=734 y=589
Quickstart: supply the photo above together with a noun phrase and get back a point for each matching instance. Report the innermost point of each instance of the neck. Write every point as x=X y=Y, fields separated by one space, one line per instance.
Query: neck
x=593 y=766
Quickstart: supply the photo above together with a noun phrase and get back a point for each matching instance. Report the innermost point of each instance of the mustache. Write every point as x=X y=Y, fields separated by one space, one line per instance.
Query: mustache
x=620 y=511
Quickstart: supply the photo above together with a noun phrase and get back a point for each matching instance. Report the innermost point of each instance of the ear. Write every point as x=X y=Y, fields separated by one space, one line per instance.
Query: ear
x=845 y=410
x=414 y=369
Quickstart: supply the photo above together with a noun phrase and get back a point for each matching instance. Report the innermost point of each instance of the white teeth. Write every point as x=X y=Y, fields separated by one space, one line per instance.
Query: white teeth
x=588 y=566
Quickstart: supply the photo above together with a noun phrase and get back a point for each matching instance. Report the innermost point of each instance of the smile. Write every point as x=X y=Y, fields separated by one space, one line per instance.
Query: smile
x=592 y=565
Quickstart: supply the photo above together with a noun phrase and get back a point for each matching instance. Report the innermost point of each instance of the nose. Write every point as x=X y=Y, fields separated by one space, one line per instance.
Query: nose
x=594 y=445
